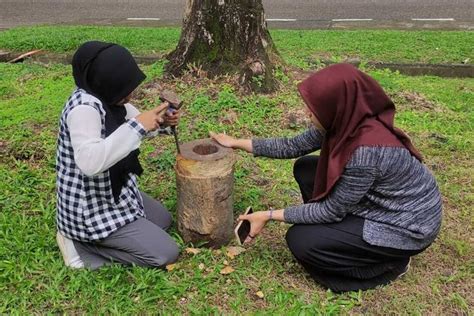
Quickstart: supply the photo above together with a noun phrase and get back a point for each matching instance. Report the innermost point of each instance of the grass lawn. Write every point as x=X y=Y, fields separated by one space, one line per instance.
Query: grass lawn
x=298 y=47
x=437 y=113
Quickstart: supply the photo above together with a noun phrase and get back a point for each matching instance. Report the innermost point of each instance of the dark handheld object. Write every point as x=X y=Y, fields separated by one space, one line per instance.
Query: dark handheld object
x=175 y=104
x=242 y=231
x=172 y=98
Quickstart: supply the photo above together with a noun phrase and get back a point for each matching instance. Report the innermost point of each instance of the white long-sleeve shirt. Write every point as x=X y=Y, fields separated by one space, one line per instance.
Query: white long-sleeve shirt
x=87 y=209
x=92 y=153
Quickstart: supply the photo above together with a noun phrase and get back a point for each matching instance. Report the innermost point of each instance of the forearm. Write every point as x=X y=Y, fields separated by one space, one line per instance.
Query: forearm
x=345 y=195
x=95 y=155
x=314 y=213
x=285 y=148
x=243 y=144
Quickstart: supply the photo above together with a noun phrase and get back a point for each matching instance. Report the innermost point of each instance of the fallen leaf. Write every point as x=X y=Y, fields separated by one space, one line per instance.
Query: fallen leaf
x=227 y=270
x=171 y=267
x=260 y=294
x=232 y=252
x=193 y=251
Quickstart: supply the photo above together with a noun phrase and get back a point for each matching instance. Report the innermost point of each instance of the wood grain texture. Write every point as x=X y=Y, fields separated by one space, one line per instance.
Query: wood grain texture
x=205 y=184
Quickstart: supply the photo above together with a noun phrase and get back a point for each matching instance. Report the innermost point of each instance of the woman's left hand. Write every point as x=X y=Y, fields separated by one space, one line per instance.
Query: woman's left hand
x=257 y=221
x=171 y=118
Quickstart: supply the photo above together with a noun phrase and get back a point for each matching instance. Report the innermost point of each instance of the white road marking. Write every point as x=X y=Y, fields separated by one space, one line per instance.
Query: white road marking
x=281 y=20
x=143 y=19
x=441 y=19
x=351 y=20
x=295 y=20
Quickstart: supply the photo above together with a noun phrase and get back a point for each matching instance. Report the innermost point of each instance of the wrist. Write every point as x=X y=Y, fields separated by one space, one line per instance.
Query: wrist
x=266 y=215
x=276 y=215
x=236 y=143
x=137 y=126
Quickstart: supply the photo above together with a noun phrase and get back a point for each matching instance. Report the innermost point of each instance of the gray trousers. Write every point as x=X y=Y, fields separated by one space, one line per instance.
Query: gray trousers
x=143 y=242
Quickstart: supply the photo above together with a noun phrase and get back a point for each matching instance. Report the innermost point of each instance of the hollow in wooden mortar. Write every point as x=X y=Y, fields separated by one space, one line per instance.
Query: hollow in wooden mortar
x=205 y=184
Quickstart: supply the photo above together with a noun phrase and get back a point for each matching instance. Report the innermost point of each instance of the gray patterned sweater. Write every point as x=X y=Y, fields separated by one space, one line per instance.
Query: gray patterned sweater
x=395 y=193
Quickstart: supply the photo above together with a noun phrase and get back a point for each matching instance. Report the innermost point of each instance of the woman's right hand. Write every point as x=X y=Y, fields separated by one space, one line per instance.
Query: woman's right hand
x=152 y=119
x=223 y=139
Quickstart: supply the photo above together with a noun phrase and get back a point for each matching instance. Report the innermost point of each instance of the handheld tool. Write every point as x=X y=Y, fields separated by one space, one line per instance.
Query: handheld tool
x=175 y=104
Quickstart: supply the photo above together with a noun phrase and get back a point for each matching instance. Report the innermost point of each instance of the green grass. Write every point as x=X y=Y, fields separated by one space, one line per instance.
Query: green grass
x=437 y=113
x=34 y=280
x=301 y=48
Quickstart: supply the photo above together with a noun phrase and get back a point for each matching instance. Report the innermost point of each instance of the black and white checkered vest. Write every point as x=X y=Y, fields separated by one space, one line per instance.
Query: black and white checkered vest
x=86 y=209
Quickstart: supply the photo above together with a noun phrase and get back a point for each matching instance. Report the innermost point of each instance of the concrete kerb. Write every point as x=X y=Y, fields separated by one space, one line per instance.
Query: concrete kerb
x=411 y=69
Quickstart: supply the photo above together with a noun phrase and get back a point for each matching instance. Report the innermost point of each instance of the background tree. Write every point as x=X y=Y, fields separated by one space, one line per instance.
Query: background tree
x=226 y=36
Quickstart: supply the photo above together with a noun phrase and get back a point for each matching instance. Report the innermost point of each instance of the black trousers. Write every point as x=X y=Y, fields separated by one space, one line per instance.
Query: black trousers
x=335 y=254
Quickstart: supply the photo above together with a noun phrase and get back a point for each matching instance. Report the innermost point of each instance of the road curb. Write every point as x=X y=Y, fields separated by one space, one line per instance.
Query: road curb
x=293 y=24
x=411 y=69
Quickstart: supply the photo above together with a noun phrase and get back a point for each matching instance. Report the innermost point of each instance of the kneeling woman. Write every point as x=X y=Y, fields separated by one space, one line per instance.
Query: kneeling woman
x=370 y=203
x=102 y=217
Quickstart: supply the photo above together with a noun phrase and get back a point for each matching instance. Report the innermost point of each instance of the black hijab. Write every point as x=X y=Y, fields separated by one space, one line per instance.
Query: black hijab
x=109 y=72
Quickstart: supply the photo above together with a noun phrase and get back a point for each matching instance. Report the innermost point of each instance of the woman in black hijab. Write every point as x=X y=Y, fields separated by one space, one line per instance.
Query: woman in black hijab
x=102 y=217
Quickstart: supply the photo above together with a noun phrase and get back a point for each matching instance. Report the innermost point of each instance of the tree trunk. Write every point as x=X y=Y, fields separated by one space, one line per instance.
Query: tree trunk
x=205 y=183
x=224 y=37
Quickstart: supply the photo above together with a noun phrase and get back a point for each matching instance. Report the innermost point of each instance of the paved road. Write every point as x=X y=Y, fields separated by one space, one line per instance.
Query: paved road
x=281 y=13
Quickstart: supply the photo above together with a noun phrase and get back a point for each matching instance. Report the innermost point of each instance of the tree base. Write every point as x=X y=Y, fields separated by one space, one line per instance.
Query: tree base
x=226 y=37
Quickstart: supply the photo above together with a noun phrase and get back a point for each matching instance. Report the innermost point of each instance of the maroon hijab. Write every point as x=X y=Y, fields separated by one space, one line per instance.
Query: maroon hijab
x=355 y=112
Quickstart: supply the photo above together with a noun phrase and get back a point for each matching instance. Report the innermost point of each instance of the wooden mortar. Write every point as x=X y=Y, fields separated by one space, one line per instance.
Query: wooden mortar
x=205 y=185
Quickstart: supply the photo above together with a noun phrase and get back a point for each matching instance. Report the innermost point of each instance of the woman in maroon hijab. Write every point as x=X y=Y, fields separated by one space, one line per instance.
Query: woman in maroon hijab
x=370 y=204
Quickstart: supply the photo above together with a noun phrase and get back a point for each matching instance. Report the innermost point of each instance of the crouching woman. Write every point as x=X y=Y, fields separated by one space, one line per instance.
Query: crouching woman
x=370 y=204
x=102 y=216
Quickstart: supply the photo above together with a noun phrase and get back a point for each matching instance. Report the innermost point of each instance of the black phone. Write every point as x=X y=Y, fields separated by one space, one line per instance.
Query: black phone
x=243 y=228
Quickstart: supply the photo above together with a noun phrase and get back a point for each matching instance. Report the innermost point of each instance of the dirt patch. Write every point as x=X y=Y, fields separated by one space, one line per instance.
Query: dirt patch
x=259 y=180
x=295 y=118
x=25 y=151
x=425 y=140
x=3 y=148
x=436 y=163
x=200 y=82
x=413 y=101
x=36 y=128
x=299 y=74
x=229 y=117
x=151 y=91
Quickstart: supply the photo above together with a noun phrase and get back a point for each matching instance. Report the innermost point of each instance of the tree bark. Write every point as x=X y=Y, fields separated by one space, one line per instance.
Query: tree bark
x=226 y=36
x=205 y=183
